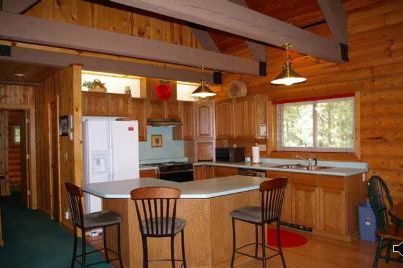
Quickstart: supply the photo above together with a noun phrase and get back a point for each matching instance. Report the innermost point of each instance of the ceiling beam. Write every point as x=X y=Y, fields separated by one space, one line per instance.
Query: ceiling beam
x=17 y=6
x=258 y=50
x=62 y=60
x=205 y=40
x=30 y=29
x=336 y=19
x=233 y=18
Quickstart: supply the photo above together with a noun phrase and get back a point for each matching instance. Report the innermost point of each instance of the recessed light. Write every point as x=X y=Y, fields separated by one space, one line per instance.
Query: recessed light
x=19 y=74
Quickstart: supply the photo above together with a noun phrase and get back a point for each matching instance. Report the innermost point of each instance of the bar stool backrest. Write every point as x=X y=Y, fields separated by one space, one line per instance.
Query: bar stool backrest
x=75 y=194
x=272 y=197
x=381 y=201
x=156 y=209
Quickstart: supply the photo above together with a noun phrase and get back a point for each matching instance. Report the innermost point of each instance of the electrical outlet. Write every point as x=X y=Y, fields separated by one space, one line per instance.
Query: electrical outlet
x=67 y=215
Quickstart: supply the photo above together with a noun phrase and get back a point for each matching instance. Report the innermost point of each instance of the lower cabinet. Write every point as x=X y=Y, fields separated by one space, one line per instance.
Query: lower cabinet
x=305 y=205
x=225 y=171
x=149 y=173
x=327 y=204
x=203 y=172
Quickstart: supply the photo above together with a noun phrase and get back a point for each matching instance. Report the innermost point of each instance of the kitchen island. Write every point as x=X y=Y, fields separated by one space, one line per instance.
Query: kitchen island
x=206 y=207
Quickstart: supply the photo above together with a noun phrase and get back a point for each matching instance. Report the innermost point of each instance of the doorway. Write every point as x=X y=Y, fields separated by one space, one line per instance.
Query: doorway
x=14 y=148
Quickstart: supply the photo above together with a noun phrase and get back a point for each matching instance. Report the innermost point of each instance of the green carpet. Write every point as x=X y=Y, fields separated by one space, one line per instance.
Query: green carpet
x=32 y=240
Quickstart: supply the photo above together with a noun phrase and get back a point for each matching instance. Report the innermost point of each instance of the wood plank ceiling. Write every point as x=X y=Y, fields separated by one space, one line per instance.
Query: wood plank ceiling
x=301 y=13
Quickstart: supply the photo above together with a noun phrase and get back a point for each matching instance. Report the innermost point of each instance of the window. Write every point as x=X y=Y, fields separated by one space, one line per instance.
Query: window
x=325 y=124
x=184 y=91
x=16 y=134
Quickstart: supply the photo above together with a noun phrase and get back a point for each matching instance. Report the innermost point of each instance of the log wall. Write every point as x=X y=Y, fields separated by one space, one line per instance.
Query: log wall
x=375 y=71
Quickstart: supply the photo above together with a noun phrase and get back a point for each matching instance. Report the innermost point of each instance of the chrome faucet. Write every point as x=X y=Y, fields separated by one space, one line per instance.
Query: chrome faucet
x=312 y=162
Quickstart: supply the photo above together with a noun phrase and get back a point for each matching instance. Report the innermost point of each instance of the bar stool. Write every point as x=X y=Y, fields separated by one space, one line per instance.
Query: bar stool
x=156 y=214
x=86 y=222
x=272 y=196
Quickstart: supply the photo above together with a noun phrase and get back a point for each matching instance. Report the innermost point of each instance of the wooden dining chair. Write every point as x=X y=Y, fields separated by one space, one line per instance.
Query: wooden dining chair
x=387 y=232
x=156 y=214
x=87 y=222
x=272 y=197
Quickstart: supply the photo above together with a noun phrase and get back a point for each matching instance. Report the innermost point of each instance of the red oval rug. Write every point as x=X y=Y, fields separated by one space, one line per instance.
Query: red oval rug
x=288 y=239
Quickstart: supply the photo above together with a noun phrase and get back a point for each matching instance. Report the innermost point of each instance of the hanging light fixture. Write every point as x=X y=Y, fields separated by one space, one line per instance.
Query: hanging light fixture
x=288 y=76
x=203 y=91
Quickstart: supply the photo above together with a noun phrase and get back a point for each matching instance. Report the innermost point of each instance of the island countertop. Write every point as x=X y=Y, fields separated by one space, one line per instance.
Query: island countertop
x=202 y=189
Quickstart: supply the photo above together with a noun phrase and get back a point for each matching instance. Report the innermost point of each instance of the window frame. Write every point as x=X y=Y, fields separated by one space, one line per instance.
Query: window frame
x=314 y=101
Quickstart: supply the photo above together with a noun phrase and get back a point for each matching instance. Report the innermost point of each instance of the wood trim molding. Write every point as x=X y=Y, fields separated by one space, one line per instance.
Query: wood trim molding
x=30 y=29
x=224 y=16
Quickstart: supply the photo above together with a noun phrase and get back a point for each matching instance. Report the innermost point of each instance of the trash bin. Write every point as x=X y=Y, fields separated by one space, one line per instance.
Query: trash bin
x=367 y=222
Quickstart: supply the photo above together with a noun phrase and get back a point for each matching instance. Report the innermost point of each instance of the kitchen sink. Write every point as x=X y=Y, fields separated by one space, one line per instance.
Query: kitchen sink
x=303 y=167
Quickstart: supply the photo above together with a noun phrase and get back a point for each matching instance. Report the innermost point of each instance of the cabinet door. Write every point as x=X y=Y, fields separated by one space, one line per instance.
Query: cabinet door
x=155 y=109
x=239 y=114
x=305 y=205
x=199 y=172
x=333 y=209
x=172 y=110
x=94 y=103
x=118 y=104
x=225 y=171
x=186 y=131
x=205 y=121
x=138 y=111
x=151 y=173
x=224 y=119
x=286 y=215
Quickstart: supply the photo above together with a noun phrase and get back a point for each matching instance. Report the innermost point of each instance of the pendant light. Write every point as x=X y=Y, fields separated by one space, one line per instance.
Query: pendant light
x=203 y=91
x=288 y=76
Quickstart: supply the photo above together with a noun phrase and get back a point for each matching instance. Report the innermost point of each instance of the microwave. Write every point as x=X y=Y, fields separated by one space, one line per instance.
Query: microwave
x=230 y=154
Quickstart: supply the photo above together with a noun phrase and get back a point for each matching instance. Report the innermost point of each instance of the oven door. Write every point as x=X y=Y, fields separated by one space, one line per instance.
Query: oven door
x=177 y=175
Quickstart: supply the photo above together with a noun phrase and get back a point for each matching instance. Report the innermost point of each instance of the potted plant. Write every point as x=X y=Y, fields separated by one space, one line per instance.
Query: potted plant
x=95 y=85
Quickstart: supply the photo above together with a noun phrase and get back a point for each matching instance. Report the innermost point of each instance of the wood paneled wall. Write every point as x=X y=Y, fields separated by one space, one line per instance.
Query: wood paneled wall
x=375 y=70
x=17 y=95
x=66 y=85
x=110 y=18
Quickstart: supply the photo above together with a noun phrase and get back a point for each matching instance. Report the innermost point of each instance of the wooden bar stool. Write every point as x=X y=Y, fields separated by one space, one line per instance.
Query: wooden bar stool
x=86 y=222
x=272 y=196
x=156 y=214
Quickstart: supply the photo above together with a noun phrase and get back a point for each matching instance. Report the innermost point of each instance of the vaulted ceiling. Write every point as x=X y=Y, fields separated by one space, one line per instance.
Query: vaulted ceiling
x=301 y=13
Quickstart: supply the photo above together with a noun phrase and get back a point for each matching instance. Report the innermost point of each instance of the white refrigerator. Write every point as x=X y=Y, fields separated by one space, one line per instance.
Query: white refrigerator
x=111 y=152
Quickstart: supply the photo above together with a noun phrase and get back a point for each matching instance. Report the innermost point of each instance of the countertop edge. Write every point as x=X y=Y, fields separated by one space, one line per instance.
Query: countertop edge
x=333 y=171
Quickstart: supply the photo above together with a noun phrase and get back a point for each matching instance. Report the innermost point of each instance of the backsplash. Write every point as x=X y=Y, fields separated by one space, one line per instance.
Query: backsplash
x=170 y=149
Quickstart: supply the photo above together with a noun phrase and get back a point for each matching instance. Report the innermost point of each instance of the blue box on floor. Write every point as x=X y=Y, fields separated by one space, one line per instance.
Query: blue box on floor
x=367 y=222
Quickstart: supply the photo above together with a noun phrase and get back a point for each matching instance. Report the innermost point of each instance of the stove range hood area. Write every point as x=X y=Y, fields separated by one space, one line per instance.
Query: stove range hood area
x=159 y=122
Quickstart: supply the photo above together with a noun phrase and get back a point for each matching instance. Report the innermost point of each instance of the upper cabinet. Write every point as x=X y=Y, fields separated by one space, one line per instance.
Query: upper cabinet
x=186 y=114
x=105 y=104
x=242 y=118
x=224 y=119
x=204 y=120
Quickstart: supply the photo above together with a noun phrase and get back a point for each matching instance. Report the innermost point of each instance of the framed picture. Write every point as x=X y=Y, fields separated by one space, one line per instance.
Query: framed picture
x=64 y=125
x=156 y=140
x=262 y=130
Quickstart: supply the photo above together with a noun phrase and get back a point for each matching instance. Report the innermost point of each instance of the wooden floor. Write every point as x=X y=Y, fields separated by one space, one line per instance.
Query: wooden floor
x=317 y=253
x=321 y=253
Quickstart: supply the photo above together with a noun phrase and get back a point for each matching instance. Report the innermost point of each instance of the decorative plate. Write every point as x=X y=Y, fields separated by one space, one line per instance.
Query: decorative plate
x=237 y=89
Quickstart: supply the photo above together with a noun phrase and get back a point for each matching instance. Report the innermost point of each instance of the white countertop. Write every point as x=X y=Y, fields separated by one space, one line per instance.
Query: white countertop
x=343 y=169
x=202 y=189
